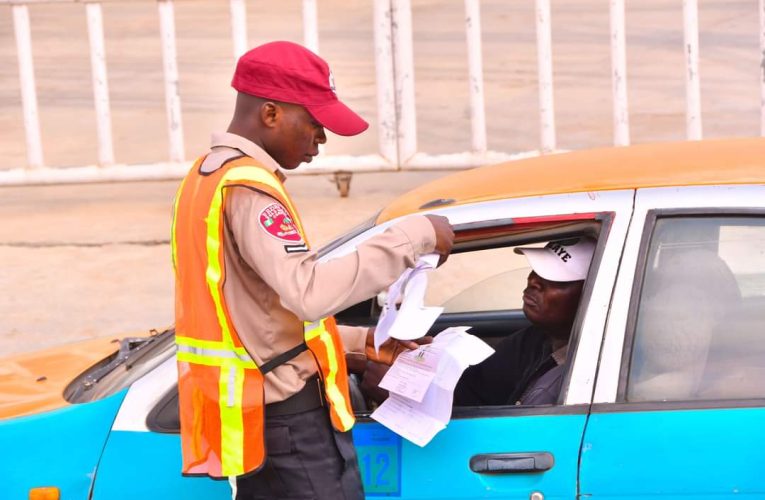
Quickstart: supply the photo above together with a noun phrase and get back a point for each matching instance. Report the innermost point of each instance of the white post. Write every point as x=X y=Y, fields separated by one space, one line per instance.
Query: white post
x=172 y=94
x=100 y=83
x=403 y=60
x=311 y=25
x=386 y=92
x=238 y=11
x=762 y=68
x=28 y=87
x=475 y=75
x=544 y=62
x=619 y=75
x=692 y=83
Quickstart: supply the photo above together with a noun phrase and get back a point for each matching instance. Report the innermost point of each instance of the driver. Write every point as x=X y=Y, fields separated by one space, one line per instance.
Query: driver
x=527 y=367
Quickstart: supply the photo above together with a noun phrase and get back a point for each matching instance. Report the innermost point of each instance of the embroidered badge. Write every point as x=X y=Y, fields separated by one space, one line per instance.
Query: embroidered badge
x=277 y=222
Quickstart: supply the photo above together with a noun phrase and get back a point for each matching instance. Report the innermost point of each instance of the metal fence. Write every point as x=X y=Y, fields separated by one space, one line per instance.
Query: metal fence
x=396 y=110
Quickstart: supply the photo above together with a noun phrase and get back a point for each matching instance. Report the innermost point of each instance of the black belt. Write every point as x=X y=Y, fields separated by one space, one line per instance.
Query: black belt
x=308 y=398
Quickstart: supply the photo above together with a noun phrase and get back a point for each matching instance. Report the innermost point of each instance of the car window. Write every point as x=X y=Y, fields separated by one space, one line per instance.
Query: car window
x=700 y=326
x=484 y=280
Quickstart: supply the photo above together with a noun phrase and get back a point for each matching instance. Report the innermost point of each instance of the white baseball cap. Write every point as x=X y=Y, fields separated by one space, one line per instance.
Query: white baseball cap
x=562 y=260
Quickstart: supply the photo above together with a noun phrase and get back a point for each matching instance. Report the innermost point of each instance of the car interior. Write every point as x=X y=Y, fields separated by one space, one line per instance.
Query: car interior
x=490 y=301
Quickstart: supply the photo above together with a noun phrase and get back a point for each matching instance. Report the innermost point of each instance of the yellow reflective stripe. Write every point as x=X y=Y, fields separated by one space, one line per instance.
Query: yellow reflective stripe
x=214 y=271
x=333 y=392
x=217 y=357
x=312 y=329
x=200 y=359
x=209 y=344
x=189 y=357
x=231 y=390
x=173 y=236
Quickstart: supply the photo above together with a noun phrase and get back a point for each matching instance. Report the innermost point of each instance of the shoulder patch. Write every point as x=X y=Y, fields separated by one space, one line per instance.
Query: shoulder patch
x=276 y=221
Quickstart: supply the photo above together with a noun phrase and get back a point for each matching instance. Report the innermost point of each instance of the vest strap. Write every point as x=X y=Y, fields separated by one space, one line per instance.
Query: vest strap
x=282 y=358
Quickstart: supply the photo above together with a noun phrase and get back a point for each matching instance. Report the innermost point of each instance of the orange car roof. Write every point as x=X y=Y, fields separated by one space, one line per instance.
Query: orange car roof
x=712 y=162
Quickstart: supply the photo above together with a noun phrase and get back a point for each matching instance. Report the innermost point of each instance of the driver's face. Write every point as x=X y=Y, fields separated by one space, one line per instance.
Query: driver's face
x=551 y=304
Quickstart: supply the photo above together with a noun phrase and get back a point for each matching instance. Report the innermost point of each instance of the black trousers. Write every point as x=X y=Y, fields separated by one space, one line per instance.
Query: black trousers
x=306 y=459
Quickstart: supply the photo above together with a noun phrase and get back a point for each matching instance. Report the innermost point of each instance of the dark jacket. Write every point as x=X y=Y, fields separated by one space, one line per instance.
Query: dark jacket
x=503 y=378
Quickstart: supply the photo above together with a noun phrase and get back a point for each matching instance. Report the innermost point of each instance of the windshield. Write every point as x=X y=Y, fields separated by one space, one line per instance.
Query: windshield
x=135 y=357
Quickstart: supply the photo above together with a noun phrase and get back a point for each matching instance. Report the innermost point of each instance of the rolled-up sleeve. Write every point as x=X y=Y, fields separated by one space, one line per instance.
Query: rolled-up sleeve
x=313 y=290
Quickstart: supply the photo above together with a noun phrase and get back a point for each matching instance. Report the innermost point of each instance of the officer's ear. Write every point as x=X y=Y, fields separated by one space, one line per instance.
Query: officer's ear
x=270 y=112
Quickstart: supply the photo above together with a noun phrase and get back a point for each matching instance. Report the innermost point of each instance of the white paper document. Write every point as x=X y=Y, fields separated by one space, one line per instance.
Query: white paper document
x=411 y=374
x=412 y=319
x=421 y=384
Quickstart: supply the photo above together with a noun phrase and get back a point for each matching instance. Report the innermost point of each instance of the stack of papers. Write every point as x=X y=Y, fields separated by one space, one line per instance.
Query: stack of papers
x=421 y=384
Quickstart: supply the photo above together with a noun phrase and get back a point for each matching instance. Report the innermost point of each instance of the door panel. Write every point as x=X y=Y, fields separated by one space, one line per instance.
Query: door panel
x=147 y=466
x=441 y=470
x=708 y=453
x=679 y=406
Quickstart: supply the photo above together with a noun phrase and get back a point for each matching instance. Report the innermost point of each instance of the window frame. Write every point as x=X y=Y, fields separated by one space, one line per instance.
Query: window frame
x=646 y=239
x=606 y=220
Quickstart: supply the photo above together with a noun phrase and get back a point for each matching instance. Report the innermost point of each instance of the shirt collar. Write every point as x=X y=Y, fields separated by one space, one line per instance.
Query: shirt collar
x=249 y=148
x=560 y=355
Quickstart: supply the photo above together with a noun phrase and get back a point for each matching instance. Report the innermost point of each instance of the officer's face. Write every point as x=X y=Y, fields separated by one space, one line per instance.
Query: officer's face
x=296 y=136
x=551 y=304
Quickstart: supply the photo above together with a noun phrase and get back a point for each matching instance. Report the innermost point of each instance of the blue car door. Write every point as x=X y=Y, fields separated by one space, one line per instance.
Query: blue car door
x=505 y=451
x=680 y=399
x=502 y=452
x=142 y=456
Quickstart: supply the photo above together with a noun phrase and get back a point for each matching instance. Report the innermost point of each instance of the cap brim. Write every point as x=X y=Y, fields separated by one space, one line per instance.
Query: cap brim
x=338 y=118
x=546 y=265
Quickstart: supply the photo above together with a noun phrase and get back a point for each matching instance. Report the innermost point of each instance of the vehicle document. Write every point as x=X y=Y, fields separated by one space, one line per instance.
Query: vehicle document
x=412 y=319
x=421 y=384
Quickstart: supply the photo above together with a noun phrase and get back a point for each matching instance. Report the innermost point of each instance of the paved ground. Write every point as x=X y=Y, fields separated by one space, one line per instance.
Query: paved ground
x=89 y=260
x=82 y=261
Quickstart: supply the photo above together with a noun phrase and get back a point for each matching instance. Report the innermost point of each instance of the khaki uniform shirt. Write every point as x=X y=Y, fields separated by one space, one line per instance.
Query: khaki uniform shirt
x=270 y=291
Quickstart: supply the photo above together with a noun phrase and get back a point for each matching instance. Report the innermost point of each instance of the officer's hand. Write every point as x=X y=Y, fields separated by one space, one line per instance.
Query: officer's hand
x=444 y=236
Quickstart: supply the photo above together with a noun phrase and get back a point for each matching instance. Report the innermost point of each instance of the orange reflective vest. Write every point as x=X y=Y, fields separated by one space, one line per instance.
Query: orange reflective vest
x=220 y=387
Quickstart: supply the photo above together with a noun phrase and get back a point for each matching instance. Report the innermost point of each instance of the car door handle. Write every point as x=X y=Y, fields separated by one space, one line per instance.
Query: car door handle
x=511 y=463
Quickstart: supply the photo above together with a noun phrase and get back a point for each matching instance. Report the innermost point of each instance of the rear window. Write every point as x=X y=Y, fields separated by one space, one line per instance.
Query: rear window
x=700 y=329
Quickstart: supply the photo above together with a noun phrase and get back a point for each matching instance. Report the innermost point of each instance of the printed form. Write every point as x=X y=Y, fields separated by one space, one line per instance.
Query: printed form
x=421 y=384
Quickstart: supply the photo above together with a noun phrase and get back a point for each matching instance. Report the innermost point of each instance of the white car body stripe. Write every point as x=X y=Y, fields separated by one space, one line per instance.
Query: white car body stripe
x=144 y=394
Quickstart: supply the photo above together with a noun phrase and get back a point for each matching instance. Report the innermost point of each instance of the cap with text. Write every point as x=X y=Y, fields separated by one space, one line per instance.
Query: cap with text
x=562 y=260
x=288 y=72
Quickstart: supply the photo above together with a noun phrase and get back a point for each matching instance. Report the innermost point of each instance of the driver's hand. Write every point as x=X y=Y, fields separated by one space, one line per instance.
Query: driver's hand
x=373 y=374
x=390 y=350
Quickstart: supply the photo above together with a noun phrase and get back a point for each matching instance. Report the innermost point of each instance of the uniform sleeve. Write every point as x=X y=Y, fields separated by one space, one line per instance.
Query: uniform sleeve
x=309 y=289
x=354 y=338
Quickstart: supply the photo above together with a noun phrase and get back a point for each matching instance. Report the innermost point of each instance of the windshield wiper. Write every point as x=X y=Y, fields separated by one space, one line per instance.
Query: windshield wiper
x=131 y=349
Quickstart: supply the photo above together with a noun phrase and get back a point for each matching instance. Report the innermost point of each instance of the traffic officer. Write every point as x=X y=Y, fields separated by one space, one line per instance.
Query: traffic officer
x=263 y=388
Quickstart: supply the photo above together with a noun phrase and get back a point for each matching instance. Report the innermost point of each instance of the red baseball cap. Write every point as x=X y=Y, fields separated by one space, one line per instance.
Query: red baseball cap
x=288 y=72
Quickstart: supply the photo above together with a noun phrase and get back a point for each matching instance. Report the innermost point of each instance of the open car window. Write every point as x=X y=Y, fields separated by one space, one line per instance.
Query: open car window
x=481 y=285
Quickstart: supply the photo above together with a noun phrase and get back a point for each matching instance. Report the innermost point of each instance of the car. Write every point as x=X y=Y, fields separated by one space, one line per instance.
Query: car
x=664 y=387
